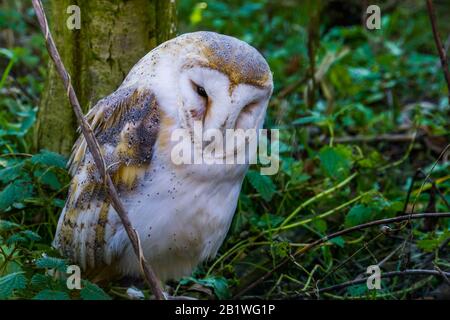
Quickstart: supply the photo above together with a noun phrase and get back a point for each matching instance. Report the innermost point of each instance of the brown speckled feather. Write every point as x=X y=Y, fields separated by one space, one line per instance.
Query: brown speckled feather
x=126 y=125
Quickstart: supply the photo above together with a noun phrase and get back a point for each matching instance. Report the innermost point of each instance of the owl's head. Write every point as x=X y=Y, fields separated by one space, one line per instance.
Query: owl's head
x=205 y=76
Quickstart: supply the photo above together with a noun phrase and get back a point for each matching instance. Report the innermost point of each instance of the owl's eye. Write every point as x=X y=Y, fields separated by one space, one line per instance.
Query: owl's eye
x=202 y=92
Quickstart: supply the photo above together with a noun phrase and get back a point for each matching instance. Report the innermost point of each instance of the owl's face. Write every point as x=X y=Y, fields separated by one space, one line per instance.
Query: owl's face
x=209 y=96
x=209 y=80
x=218 y=80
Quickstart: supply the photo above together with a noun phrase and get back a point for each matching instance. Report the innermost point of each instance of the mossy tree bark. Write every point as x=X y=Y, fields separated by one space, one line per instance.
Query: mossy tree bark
x=113 y=36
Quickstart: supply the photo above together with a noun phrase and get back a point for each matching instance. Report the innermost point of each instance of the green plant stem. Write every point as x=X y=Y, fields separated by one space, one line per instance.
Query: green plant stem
x=317 y=197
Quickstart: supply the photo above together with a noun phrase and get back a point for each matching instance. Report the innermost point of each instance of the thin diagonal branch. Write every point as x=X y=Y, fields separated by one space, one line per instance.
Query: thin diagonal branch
x=384 y=275
x=439 y=46
x=94 y=148
x=325 y=239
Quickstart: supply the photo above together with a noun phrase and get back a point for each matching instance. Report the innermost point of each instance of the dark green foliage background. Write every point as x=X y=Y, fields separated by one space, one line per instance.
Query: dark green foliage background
x=342 y=162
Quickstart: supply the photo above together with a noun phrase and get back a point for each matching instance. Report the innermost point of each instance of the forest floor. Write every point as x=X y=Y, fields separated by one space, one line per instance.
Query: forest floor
x=363 y=118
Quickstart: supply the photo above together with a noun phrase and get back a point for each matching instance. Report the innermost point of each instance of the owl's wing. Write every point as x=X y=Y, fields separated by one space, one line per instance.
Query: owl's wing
x=126 y=125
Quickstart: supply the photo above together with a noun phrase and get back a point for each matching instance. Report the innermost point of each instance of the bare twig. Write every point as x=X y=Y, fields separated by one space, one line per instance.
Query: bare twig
x=439 y=45
x=93 y=146
x=385 y=275
x=320 y=241
x=444 y=275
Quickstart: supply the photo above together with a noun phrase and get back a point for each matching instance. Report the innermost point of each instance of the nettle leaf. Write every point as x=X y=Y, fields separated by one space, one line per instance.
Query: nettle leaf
x=8 y=225
x=16 y=191
x=49 y=158
x=219 y=285
x=265 y=221
x=12 y=282
x=10 y=173
x=263 y=184
x=294 y=168
x=48 y=178
x=48 y=294
x=91 y=291
x=336 y=161
x=51 y=263
x=31 y=235
x=16 y=238
x=428 y=245
x=373 y=160
x=357 y=290
x=281 y=249
x=339 y=241
x=359 y=214
x=41 y=280
x=59 y=203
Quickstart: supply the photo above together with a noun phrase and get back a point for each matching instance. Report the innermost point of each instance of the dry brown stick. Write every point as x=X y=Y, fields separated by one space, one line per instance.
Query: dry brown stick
x=439 y=45
x=320 y=241
x=93 y=147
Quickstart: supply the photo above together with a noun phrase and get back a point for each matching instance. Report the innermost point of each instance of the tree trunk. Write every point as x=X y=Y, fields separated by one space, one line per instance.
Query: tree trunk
x=113 y=36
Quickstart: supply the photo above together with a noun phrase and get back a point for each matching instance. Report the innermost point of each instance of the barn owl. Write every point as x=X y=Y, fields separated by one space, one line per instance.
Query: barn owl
x=182 y=213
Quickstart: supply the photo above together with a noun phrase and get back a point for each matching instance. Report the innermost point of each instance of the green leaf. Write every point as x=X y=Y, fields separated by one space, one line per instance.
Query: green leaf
x=91 y=291
x=16 y=238
x=51 y=263
x=359 y=214
x=336 y=161
x=357 y=290
x=30 y=235
x=265 y=221
x=11 y=282
x=16 y=191
x=10 y=173
x=373 y=160
x=219 y=284
x=48 y=178
x=428 y=245
x=339 y=241
x=41 y=280
x=48 y=294
x=263 y=184
x=49 y=158
x=59 y=203
x=8 y=225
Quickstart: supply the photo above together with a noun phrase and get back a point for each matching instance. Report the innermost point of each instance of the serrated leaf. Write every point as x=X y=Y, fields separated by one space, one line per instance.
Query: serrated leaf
x=49 y=158
x=359 y=214
x=265 y=221
x=336 y=161
x=41 y=280
x=357 y=290
x=12 y=172
x=48 y=294
x=6 y=225
x=91 y=291
x=59 y=203
x=219 y=284
x=30 y=235
x=263 y=184
x=16 y=238
x=12 y=282
x=428 y=245
x=339 y=241
x=51 y=263
x=48 y=178
x=16 y=191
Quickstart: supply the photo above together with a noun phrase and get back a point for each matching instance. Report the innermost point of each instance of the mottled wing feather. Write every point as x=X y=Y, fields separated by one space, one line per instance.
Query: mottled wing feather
x=126 y=125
